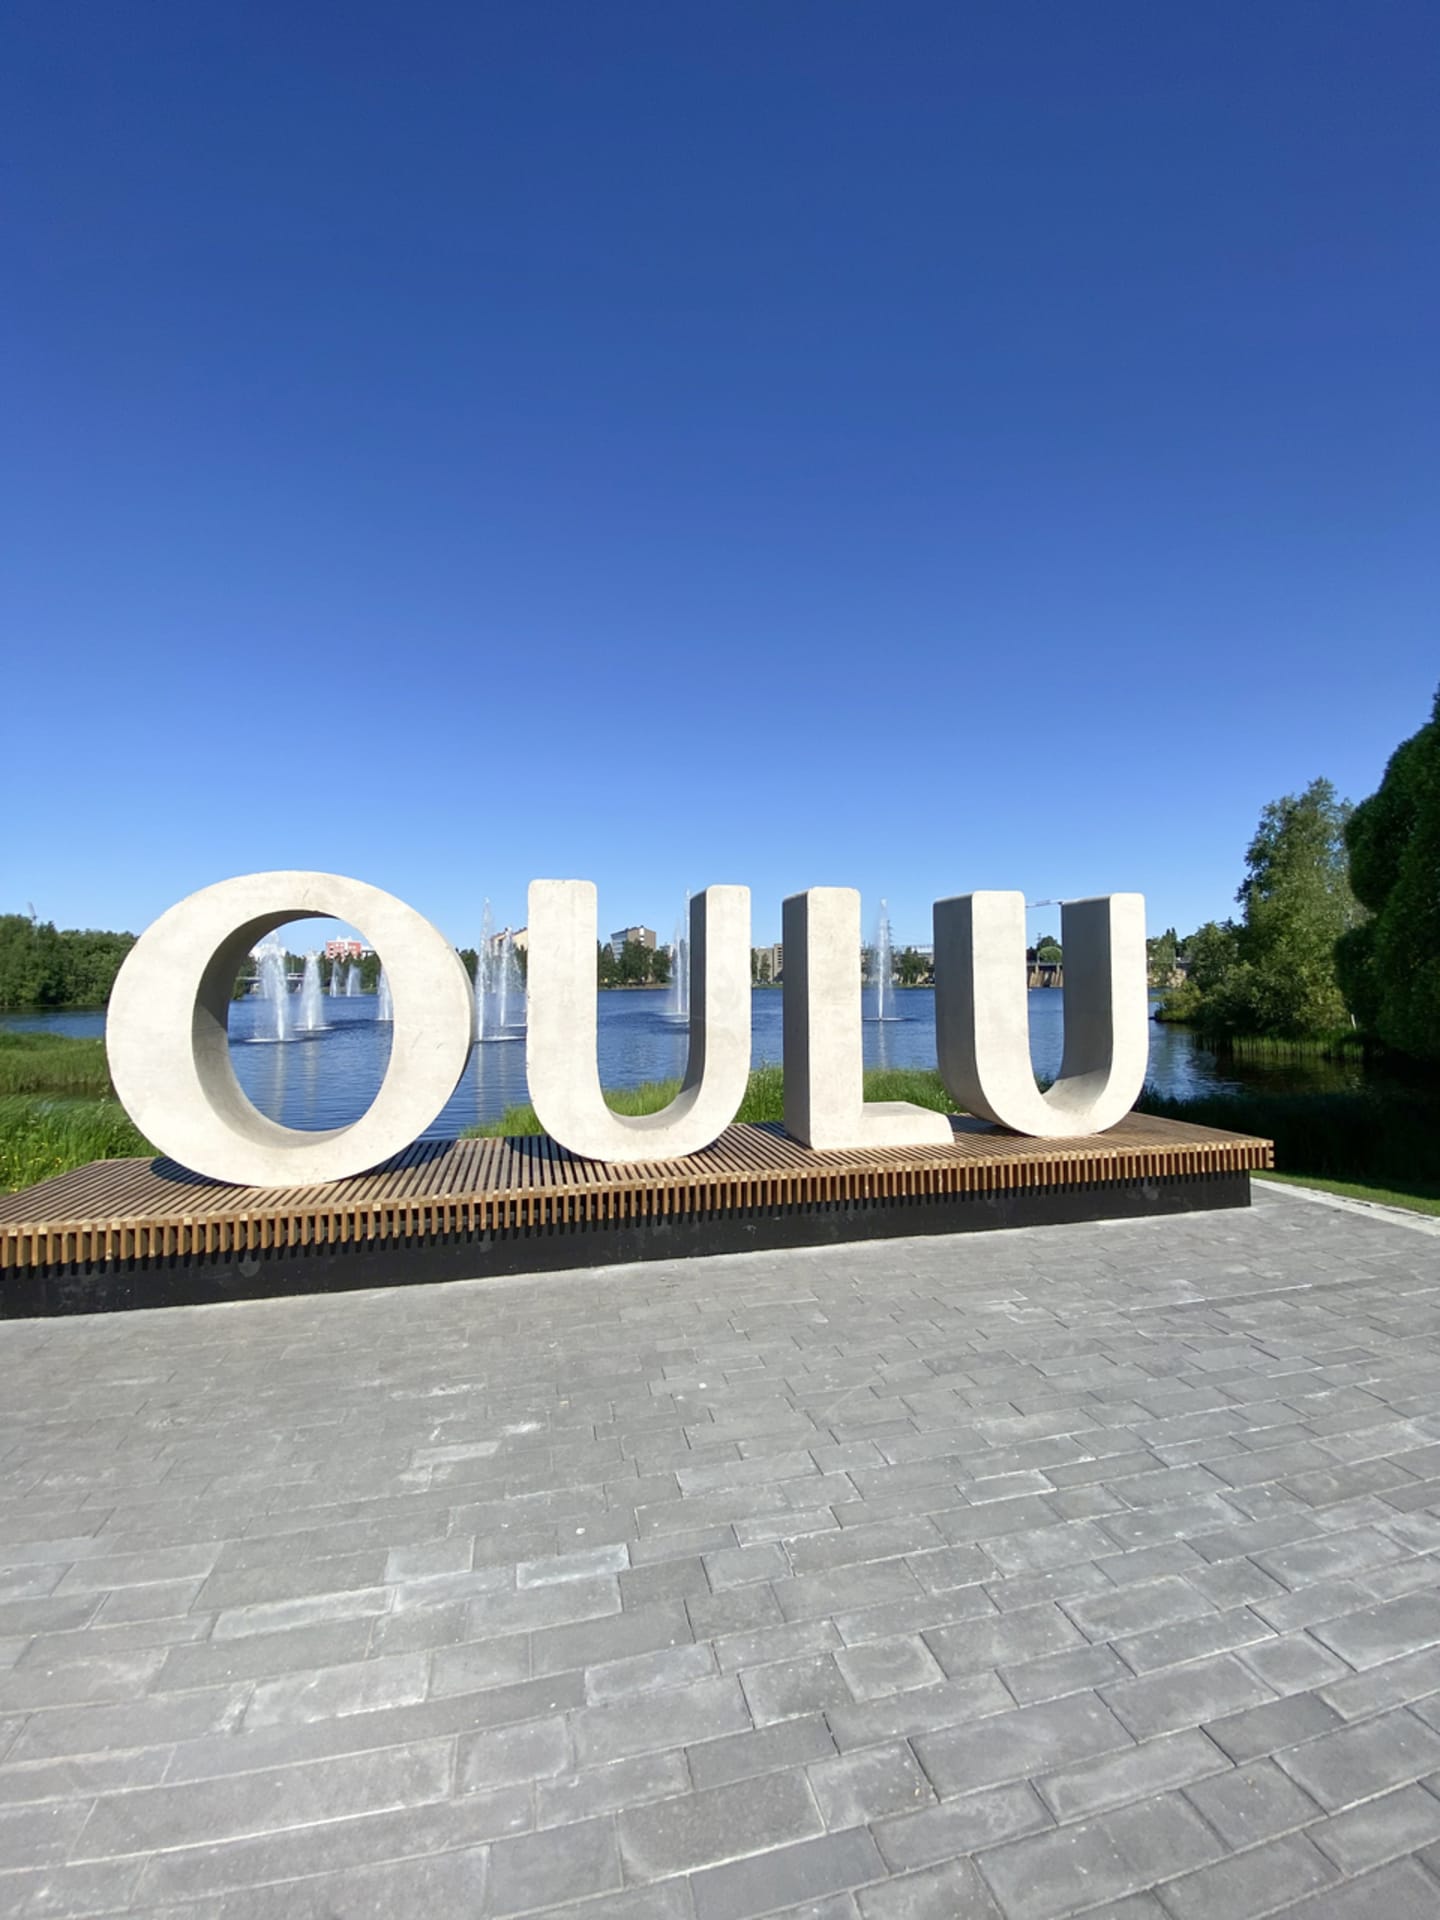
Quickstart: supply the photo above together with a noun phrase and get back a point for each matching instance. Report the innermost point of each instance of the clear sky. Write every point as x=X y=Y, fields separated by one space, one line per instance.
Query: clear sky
x=913 y=447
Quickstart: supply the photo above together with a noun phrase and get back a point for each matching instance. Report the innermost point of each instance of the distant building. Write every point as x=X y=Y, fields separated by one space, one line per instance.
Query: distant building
x=519 y=938
x=345 y=950
x=645 y=936
x=768 y=963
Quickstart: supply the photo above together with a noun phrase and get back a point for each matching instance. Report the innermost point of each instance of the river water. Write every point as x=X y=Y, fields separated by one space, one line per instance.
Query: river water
x=328 y=1079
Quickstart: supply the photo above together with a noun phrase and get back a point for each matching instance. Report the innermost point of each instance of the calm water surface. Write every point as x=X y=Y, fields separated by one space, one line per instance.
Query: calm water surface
x=328 y=1079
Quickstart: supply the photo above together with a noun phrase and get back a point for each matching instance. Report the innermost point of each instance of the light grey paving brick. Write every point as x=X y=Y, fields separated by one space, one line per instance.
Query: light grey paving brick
x=786 y=1876
x=1057 y=1674
x=362 y=1687
x=1272 y=1726
x=94 y=1887
x=791 y=1640
x=584 y=1564
x=1394 y=1683
x=510 y=1756
x=430 y=1887
x=1019 y=1745
x=1237 y=1629
x=952 y=1890
x=40 y=1832
x=595 y=1790
x=678 y=1717
x=649 y=1672
x=921 y=1709
x=1134 y=1773
x=790 y=1687
x=869 y=1784
x=101 y=1678
x=1400 y=1892
x=1252 y=1803
x=966 y=1825
x=1371 y=1635
x=539 y=1871
x=645 y=1629
x=1036 y=1878
x=1258 y=1881
x=1005 y=1639
x=1136 y=1609
x=1382 y=1829
x=1362 y=1759
x=200 y=1812
x=1292 y=1663
x=738 y=1755
x=1184 y=1696
x=718 y=1823
x=882 y=1667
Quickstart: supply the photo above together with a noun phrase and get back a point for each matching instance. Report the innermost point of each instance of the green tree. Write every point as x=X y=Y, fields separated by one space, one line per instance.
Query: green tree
x=1160 y=952
x=1049 y=950
x=1274 y=973
x=607 y=968
x=911 y=967
x=1386 y=963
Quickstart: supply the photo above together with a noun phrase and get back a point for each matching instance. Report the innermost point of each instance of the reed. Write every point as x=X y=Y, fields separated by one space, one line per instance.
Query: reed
x=53 y=1063
x=40 y=1138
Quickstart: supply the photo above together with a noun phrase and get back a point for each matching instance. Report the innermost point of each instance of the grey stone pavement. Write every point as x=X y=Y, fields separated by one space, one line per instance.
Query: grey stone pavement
x=1080 y=1570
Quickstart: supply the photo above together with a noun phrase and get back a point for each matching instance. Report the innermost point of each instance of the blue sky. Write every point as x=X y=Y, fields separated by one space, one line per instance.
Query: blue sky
x=916 y=448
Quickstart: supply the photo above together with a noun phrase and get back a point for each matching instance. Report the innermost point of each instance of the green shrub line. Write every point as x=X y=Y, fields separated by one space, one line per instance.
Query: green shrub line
x=42 y=1137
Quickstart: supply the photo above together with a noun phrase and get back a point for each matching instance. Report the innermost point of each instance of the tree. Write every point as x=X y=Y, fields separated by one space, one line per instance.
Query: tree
x=1274 y=973
x=1050 y=951
x=911 y=967
x=1160 y=952
x=607 y=970
x=1387 y=962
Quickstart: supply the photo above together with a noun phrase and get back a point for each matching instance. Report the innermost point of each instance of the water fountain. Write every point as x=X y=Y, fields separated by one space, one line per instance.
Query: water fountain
x=312 y=1001
x=499 y=985
x=881 y=997
x=384 y=1004
x=352 y=980
x=677 y=1005
x=274 y=1019
x=337 y=979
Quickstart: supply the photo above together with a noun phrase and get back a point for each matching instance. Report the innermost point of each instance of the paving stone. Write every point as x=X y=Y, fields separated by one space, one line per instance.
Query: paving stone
x=1020 y=1745
x=1382 y=1829
x=882 y=1667
x=1184 y=1696
x=1401 y=1892
x=1252 y=1803
x=1365 y=1758
x=1004 y=1640
x=1374 y=1634
x=966 y=1825
x=1134 y=1773
x=543 y=1870
x=738 y=1755
x=596 y=1790
x=952 y=1890
x=678 y=1717
x=791 y=1687
x=786 y=1876
x=868 y=1785
x=1056 y=1674
x=717 y=1823
x=1258 y=1881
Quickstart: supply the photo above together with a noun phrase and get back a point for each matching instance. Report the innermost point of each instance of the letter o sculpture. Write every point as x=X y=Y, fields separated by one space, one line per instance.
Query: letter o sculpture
x=168 y=1040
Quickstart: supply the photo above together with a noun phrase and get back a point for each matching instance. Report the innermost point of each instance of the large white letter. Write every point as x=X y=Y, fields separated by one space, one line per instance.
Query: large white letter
x=825 y=1104
x=560 y=1050
x=982 y=1030
x=169 y=1049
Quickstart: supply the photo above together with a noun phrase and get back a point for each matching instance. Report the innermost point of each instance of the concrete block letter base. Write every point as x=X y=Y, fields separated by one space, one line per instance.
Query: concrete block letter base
x=825 y=1104
x=168 y=1043
x=560 y=1061
x=982 y=1027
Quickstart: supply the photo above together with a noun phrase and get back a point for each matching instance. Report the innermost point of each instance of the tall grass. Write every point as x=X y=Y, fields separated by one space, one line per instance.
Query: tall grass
x=53 y=1063
x=1264 y=1050
x=39 y=1138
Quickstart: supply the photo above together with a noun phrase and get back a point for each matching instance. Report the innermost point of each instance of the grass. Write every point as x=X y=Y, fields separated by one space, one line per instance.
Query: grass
x=1414 y=1202
x=764 y=1098
x=1262 y=1050
x=53 y=1063
x=43 y=1137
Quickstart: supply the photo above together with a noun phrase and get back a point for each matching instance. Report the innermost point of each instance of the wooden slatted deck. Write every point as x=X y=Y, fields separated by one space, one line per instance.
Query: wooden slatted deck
x=142 y=1210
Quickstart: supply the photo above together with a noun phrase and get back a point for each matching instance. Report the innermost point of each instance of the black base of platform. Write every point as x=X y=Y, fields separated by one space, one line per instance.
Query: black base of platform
x=197 y=1280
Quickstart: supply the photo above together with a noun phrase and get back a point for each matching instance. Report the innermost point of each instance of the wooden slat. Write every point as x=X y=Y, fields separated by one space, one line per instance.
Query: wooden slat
x=141 y=1209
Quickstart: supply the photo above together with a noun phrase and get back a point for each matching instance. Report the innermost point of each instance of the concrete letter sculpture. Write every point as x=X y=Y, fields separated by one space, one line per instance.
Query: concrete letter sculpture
x=825 y=1104
x=169 y=1050
x=560 y=1052
x=982 y=1031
